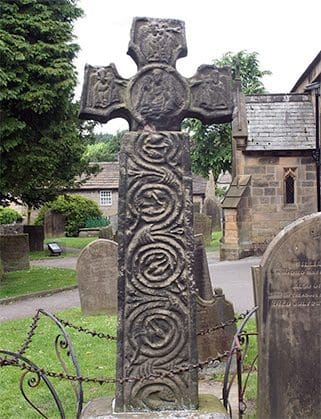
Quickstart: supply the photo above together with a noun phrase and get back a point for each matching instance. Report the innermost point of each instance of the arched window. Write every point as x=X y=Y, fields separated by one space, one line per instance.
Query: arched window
x=289 y=186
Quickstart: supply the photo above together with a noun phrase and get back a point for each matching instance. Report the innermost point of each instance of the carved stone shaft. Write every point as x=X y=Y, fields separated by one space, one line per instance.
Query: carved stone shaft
x=156 y=328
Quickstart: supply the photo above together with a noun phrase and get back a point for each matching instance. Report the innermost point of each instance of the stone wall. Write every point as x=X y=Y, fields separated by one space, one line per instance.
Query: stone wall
x=269 y=211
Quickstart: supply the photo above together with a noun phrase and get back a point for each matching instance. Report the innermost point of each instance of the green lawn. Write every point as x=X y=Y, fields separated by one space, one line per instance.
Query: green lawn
x=75 y=242
x=36 y=279
x=96 y=358
x=215 y=243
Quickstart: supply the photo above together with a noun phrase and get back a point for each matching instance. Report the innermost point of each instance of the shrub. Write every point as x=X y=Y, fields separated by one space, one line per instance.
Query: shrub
x=9 y=215
x=93 y=222
x=77 y=209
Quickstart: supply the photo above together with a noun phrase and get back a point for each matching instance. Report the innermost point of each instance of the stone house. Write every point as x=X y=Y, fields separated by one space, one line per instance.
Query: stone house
x=274 y=171
x=103 y=189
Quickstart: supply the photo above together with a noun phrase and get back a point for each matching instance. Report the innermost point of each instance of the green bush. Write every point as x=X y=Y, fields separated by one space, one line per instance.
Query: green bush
x=76 y=209
x=94 y=222
x=9 y=215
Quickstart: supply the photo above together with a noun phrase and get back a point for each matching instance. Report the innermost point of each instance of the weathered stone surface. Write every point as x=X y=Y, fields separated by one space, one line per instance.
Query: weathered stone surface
x=289 y=297
x=157 y=97
x=209 y=408
x=211 y=313
x=212 y=309
x=14 y=251
x=54 y=224
x=11 y=229
x=106 y=233
x=203 y=225
x=201 y=272
x=156 y=308
x=97 y=275
x=213 y=210
x=36 y=236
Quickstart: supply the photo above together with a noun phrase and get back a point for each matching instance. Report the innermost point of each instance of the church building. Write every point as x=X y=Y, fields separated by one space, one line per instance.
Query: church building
x=275 y=149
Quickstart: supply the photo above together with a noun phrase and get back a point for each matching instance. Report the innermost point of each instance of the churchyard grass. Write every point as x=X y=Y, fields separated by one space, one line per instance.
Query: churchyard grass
x=36 y=279
x=215 y=242
x=96 y=357
x=73 y=242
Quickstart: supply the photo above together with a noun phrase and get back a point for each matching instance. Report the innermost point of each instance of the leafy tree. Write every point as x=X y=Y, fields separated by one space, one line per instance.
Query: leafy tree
x=42 y=141
x=77 y=210
x=9 y=215
x=212 y=144
x=105 y=147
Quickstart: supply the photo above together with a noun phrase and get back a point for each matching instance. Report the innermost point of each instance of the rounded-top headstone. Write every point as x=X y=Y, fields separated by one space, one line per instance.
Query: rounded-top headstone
x=97 y=275
x=290 y=323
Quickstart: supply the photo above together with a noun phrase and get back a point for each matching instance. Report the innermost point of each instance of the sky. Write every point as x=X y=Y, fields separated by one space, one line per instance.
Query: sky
x=285 y=33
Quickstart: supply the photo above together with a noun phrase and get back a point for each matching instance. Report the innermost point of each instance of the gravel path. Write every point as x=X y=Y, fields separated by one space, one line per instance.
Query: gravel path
x=234 y=277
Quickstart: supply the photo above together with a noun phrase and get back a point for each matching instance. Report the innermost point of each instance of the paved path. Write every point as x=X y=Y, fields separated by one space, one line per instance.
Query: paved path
x=234 y=277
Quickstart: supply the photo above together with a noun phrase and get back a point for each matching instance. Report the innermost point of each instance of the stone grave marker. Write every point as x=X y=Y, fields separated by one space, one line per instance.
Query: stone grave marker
x=155 y=233
x=288 y=291
x=203 y=225
x=14 y=252
x=36 y=236
x=212 y=309
x=97 y=275
x=54 y=224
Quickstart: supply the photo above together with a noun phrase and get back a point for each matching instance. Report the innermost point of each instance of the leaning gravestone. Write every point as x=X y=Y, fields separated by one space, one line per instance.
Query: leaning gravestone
x=212 y=310
x=288 y=291
x=97 y=276
x=156 y=306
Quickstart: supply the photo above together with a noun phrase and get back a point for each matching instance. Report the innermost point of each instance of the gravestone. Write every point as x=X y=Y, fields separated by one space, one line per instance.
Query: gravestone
x=288 y=291
x=6 y=229
x=106 y=233
x=36 y=236
x=14 y=252
x=155 y=233
x=203 y=225
x=213 y=210
x=97 y=276
x=212 y=309
x=54 y=224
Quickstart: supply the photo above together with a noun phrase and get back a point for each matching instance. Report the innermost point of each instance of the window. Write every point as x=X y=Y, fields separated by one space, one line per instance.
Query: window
x=289 y=186
x=106 y=198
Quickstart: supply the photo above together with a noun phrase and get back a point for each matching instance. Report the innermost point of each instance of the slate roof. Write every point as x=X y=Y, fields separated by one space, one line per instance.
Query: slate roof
x=280 y=122
x=108 y=178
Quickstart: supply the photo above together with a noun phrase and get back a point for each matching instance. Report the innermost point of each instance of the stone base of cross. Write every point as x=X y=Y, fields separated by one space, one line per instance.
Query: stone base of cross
x=156 y=353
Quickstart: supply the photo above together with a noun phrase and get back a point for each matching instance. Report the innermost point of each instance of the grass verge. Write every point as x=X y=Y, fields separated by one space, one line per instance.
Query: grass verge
x=74 y=242
x=96 y=357
x=215 y=242
x=34 y=280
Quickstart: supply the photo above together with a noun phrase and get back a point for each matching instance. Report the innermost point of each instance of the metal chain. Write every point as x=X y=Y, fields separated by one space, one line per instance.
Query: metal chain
x=174 y=371
x=87 y=331
x=222 y=325
x=32 y=329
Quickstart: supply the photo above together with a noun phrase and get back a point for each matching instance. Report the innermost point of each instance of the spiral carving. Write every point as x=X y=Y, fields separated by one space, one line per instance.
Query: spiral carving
x=155 y=266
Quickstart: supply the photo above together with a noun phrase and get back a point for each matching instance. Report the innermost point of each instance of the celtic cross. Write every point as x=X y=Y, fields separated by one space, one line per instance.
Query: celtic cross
x=156 y=325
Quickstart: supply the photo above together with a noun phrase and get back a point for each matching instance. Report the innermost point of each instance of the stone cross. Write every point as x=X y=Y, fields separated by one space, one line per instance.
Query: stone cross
x=156 y=326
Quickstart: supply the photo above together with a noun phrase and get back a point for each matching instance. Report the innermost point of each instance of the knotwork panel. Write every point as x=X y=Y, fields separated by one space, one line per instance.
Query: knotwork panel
x=156 y=309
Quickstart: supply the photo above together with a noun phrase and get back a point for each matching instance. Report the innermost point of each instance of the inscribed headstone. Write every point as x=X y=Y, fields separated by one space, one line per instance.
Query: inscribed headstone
x=97 y=275
x=290 y=323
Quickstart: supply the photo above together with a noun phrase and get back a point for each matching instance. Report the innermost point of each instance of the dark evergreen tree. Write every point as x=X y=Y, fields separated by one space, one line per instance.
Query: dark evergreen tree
x=41 y=139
